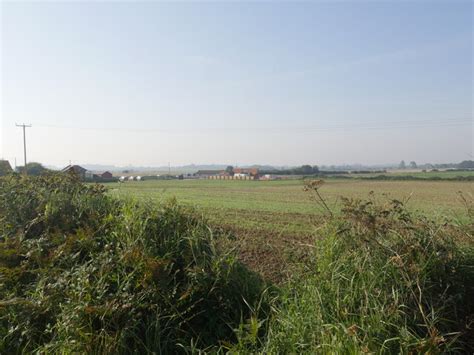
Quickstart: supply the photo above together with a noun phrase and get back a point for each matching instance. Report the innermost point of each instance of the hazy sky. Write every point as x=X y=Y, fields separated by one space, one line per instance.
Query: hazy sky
x=147 y=83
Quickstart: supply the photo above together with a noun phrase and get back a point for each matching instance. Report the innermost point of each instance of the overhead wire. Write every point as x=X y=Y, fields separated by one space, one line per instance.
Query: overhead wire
x=341 y=126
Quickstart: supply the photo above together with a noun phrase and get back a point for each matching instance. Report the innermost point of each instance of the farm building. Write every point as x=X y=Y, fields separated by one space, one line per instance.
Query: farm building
x=241 y=175
x=237 y=174
x=87 y=175
x=5 y=167
x=246 y=172
x=209 y=173
x=77 y=170
x=106 y=175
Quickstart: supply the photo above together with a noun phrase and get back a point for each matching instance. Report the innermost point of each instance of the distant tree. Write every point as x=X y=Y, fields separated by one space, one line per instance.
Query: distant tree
x=5 y=167
x=32 y=168
x=413 y=165
x=307 y=169
x=230 y=170
x=402 y=165
x=315 y=169
x=466 y=164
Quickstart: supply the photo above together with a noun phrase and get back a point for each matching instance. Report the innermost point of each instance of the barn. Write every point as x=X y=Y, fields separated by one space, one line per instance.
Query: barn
x=77 y=170
x=209 y=173
x=252 y=172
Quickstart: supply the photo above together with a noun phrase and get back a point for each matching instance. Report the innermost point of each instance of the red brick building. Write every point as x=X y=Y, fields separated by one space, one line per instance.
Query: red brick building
x=250 y=171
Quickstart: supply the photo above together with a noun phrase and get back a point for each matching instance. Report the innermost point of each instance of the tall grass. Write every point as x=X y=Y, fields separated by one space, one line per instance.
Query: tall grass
x=380 y=281
x=84 y=273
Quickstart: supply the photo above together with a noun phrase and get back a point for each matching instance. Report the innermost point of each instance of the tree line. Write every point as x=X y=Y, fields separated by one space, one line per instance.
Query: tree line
x=466 y=164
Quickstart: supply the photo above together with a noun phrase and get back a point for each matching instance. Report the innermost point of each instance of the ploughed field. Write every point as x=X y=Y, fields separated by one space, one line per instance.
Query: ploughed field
x=274 y=219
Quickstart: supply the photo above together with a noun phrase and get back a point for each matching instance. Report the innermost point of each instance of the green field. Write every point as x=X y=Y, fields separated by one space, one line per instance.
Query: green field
x=441 y=174
x=271 y=205
x=446 y=174
x=274 y=219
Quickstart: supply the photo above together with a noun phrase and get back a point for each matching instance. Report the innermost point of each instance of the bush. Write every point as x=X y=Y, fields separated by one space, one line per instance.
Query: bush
x=380 y=281
x=33 y=168
x=82 y=272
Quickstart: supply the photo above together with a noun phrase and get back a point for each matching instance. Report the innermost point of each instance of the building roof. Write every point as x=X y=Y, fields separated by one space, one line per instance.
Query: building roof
x=75 y=168
x=209 y=172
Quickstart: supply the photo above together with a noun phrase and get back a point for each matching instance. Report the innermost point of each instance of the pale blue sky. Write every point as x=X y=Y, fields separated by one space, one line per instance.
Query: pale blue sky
x=145 y=83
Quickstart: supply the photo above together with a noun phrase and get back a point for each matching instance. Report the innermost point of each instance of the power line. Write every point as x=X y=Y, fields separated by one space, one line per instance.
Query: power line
x=302 y=129
x=24 y=141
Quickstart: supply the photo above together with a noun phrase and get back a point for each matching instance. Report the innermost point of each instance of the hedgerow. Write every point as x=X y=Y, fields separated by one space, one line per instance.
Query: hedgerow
x=82 y=272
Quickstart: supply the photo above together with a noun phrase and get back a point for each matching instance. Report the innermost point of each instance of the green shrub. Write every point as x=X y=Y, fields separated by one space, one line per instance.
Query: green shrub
x=82 y=272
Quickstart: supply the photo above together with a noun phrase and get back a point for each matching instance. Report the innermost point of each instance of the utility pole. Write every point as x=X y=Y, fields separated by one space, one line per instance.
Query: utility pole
x=24 y=141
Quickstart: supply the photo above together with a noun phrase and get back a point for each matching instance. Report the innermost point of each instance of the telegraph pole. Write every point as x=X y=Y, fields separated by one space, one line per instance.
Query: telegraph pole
x=24 y=141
